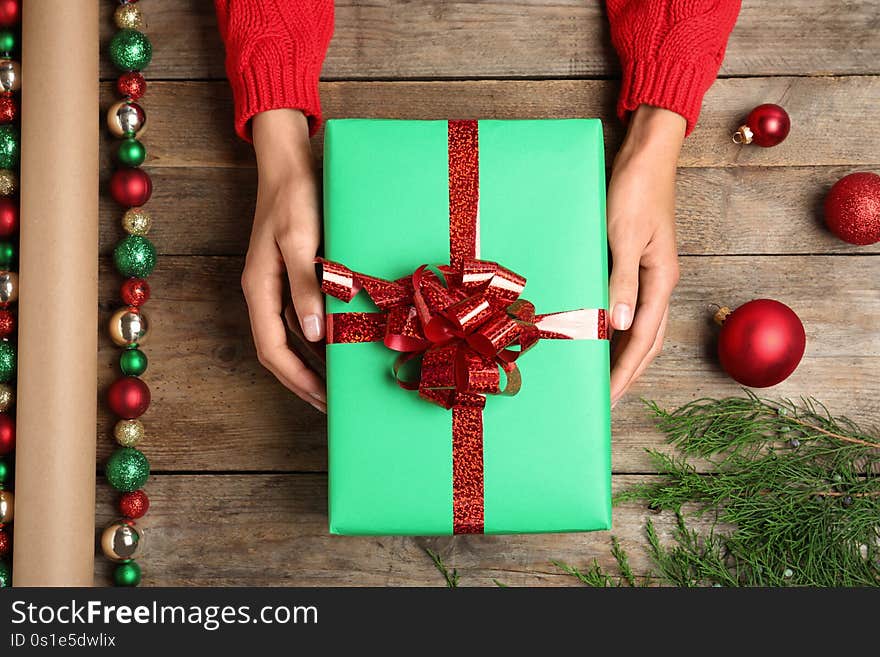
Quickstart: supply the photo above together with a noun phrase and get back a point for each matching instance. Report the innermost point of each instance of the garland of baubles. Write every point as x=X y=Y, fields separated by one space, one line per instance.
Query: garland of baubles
x=128 y=397
x=10 y=82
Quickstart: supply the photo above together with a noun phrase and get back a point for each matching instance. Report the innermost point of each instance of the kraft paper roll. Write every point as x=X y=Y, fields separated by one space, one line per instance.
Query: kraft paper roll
x=58 y=301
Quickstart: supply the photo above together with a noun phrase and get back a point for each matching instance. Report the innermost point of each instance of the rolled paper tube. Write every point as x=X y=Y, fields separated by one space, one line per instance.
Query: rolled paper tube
x=57 y=365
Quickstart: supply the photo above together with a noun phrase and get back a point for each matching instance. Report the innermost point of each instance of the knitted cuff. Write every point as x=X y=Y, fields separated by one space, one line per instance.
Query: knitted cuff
x=272 y=75
x=675 y=85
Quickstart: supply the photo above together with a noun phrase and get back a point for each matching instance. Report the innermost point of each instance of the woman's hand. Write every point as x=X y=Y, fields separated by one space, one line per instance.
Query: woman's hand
x=284 y=241
x=641 y=234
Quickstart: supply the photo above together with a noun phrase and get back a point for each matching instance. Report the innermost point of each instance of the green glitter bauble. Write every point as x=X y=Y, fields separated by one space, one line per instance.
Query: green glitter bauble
x=135 y=256
x=7 y=362
x=132 y=153
x=127 y=574
x=127 y=469
x=133 y=362
x=130 y=50
x=5 y=574
x=8 y=147
x=7 y=255
x=5 y=471
x=7 y=41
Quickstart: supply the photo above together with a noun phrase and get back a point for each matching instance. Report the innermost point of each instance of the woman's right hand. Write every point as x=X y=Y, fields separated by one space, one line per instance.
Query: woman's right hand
x=283 y=245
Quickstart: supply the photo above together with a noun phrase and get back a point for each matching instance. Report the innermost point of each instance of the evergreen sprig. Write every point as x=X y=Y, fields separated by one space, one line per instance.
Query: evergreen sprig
x=450 y=577
x=793 y=492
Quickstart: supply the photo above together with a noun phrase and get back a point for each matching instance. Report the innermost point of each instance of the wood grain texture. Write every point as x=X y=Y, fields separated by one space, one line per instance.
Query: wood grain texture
x=208 y=211
x=216 y=409
x=271 y=530
x=190 y=123
x=515 y=38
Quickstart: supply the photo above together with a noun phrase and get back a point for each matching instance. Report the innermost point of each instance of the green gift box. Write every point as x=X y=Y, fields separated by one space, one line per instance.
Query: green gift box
x=394 y=194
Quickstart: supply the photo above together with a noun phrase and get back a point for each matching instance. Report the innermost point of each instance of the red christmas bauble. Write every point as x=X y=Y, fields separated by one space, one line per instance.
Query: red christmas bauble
x=10 y=13
x=8 y=108
x=5 y=544
x=131 y=187
x=852 y=208
x=766 y=125
x=131 y=84
x=761 y=343
x=7 y=323
x=135 y=291
x=7 y=434
x=134 y=504
x=8 y=217
x=128 y=397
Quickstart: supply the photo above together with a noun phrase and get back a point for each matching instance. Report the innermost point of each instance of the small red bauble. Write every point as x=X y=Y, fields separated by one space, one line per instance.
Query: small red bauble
x=135 y=291
x=8 y=217
x=134 y=504
x=7 y=323
x=128 y=397
x=131 y=84
x=766 y=125
x=760 y=343
x=10 y=13
x=852 y=208
x=131 y=187
x=7 y=434
x=5 y=544
x=8 y=108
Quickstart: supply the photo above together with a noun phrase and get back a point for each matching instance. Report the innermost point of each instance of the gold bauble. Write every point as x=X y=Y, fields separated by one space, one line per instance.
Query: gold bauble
x=8 y=182
x=128 y=326
x=10 y=75
x=7 y=506
x=7 y=397
x=126 y=118
x=121 y=541
x=129 y=17
x=8 y=287
x=128 y=433
x=136 y=221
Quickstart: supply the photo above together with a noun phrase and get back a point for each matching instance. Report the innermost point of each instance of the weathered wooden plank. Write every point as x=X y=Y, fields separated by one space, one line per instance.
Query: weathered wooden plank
x=216 y=409
x=512 y=38
x=208 y=211
x=190 y=123
x=271 y=530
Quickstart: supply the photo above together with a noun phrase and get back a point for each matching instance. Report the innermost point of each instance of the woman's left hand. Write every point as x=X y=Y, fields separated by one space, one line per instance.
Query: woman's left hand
x=641 y=235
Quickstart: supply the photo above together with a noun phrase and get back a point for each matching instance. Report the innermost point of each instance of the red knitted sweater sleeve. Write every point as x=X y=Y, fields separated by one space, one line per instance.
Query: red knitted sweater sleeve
x=670 y=51
x=274 y=53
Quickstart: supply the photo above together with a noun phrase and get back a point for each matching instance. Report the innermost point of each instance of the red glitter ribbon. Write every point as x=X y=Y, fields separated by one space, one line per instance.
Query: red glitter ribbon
x=464 y=324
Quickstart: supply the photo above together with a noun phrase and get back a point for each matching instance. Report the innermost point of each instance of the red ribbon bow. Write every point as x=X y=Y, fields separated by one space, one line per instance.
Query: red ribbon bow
x=465 y=322
x=465 y=332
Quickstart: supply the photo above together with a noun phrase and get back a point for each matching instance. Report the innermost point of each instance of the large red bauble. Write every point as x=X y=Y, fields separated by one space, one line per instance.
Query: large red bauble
x=10 y=13
x=8 y=217
x=131 y=84
x=852 y=208
x=5 y=544
x=128 y=397
x=7 y=434
x=131 y=187
x=769 y=124
x=761 y=343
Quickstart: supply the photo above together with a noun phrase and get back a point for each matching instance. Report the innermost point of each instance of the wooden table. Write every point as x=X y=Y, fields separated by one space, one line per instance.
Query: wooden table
x=239 y=465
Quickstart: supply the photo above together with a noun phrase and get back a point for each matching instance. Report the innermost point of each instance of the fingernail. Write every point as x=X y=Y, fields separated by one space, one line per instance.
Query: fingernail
x=622 y=316
x=320 y=396
x=311 y=325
